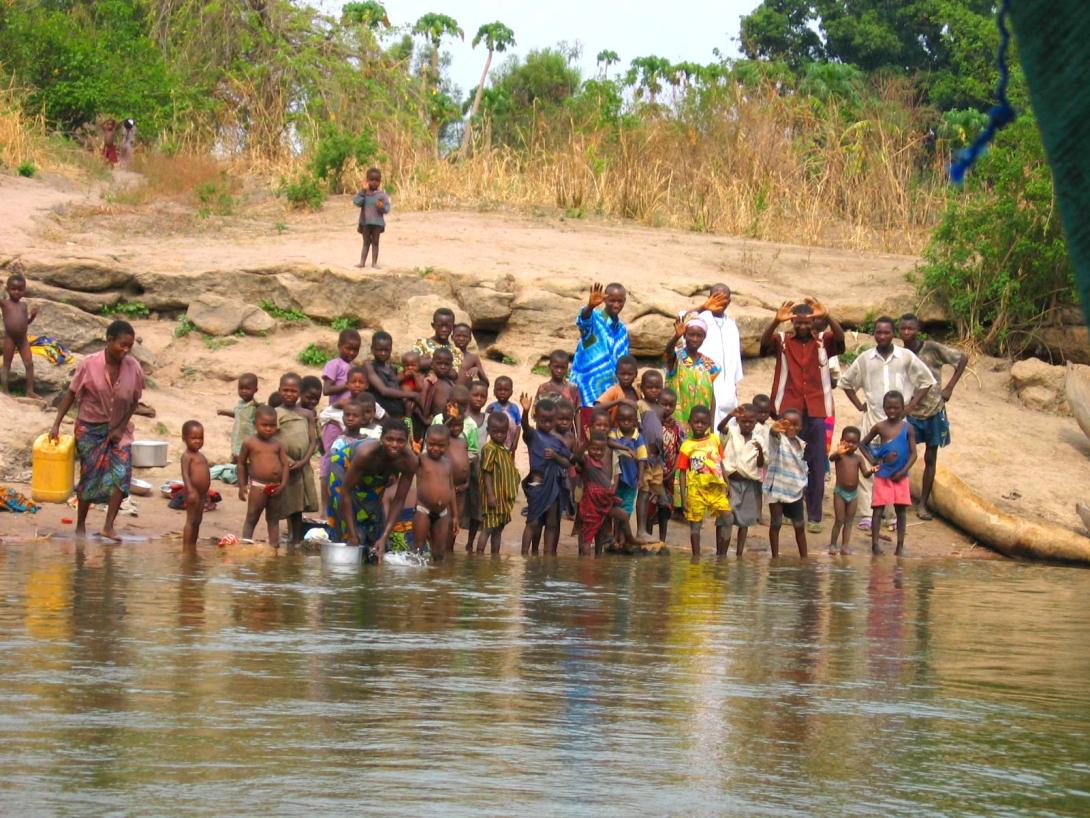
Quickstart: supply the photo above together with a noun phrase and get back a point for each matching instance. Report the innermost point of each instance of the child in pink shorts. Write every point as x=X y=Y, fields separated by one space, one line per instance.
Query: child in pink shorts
x=894 y=458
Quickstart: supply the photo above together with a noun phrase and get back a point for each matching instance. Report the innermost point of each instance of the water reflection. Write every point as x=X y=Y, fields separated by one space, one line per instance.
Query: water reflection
x=134 y=675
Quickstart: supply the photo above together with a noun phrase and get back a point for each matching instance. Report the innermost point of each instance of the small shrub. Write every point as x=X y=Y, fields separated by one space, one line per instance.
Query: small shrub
x=214 y=196
x=27 y=170
x=306 y=191
x=541 y=369
x=214 y=343
x=344 y=322
x=185 y=326
x=280 y=313
x=161 y=429
x=316 y=355
x=280 y=227
x=127 y=309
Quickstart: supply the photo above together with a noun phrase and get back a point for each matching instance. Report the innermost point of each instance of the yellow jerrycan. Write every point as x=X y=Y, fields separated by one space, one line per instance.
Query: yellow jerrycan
x=53 y=469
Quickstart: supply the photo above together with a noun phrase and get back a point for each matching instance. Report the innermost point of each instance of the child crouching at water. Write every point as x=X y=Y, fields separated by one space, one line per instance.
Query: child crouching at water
x=850 y=466
x=600 y=510
x=263 y=467
x=894 y=458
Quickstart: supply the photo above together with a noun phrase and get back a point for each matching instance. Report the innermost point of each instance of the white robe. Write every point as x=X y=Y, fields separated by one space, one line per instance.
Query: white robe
x=724 y=346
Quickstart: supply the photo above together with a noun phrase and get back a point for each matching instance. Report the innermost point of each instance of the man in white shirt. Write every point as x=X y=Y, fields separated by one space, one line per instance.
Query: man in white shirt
x=876 y=371
x=724 y=346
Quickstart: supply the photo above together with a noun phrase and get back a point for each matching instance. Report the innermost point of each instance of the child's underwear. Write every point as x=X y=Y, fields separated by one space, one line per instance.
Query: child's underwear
x=434 y=516
x=845 y=495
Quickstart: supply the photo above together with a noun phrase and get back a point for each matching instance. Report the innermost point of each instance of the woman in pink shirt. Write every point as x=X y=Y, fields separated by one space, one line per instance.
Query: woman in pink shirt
x=107 y=385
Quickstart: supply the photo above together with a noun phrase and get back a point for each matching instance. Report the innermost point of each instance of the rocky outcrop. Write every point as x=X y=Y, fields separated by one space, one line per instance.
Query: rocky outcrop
x=1040 y=386
x=219 y=315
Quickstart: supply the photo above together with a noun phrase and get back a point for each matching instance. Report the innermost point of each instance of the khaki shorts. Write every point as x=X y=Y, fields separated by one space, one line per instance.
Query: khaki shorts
x=652 y=481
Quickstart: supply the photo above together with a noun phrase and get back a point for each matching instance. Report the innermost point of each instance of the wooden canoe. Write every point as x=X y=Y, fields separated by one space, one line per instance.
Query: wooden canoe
x=1009 y=535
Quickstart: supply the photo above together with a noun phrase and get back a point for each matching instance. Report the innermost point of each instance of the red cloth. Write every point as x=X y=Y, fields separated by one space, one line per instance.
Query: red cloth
x=803 y=389
x=594 y=509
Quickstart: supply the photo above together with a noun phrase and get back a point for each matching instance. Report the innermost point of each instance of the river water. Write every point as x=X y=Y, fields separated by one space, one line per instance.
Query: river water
x=138 y=681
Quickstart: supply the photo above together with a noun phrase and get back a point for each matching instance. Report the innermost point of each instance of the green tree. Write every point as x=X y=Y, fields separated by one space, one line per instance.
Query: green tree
x=370 y=14
x=607 y=57
x=998 y=261
x=647 y=75
x=522 y=90
x=947 y=44
x=433 y=28
x=496 y=37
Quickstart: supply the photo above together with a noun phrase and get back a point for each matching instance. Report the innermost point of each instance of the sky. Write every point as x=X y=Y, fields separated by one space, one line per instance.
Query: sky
x=632 y=28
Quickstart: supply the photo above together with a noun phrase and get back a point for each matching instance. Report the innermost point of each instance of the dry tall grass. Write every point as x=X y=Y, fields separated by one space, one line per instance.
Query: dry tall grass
x=22 y=137
x=771 y=169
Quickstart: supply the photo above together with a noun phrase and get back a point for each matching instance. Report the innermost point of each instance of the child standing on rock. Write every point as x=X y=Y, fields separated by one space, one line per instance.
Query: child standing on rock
x=374 y=204
x=16 y=322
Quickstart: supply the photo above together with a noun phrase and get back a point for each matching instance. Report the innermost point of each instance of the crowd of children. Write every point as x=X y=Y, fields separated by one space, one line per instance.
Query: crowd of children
x=647 y=452
x=618 y=471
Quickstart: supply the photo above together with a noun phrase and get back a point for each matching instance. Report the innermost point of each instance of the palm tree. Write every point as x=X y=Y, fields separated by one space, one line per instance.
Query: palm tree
x=434 y=27
x=496 y=37
x=606 y=58
x=370 y=13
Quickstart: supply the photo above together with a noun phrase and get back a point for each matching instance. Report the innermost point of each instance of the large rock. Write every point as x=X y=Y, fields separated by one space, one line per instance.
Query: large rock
x=487 y=303
x=49 y=378
x=1040 y=386
x=86 y=275
x=75 y=329
x=258 y=322
x=217 y=314
x=1067 y=343
x=87 y=301
x=372 y=298
x=647 y=335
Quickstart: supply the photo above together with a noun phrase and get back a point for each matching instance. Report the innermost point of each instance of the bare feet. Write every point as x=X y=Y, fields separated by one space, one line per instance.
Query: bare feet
x=361 y=265
x=876 y=551
x=845 y=552
x=923 y=513
x=109 y=534
x=33 y=395
x=375 y=267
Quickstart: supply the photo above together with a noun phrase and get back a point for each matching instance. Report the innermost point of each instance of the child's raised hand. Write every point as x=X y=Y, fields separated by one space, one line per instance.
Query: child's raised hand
x=784 y=312
x=845 y=449
x=679 y=328
x=453 y=410
x=597 y=295
x=781 y=426
x=816 y=306
x=526 y=402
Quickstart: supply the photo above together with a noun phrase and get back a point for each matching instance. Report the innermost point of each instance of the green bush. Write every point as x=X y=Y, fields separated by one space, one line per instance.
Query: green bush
x=215 y=196
x=185 y=326
x=344 y=322
x=334 y=148
x=306 y=191
x=316 y=355
x=280 y=313
x=27 y=169
x=127 y=309
x=997 y=261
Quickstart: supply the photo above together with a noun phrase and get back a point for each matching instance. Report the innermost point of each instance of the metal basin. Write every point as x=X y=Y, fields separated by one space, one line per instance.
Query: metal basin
x=338 y=553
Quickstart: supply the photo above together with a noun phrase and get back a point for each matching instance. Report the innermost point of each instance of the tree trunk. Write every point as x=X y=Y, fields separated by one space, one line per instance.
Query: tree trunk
x=467 y=135
x=435 y=90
